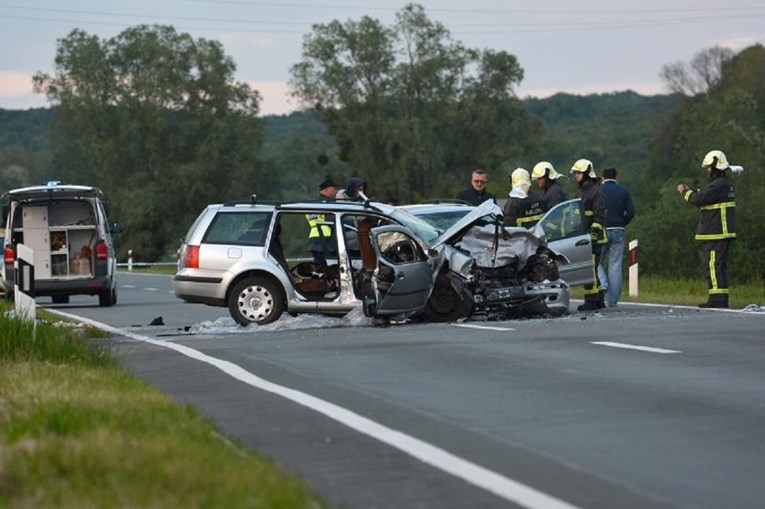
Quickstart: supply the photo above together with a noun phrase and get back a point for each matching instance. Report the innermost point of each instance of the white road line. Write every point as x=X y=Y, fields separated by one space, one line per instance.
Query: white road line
x=477 y=475
x=484 y=327
x=634 y=347
x=129 y=286
x=149 y=289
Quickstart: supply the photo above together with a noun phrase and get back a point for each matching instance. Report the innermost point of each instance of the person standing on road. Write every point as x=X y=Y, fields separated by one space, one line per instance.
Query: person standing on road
x=477 y=193
x=523 y=207
x=717 y=226
x=547 y=179
x=594 y=203
x=321 y=241
x=620 y=209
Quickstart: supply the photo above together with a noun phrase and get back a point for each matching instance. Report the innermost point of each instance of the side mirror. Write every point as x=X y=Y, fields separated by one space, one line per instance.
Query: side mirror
x=117 y=228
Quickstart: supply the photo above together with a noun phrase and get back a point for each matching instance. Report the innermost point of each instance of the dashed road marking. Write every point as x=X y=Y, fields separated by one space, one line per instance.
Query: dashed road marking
x=635 y=347
x=482 y=327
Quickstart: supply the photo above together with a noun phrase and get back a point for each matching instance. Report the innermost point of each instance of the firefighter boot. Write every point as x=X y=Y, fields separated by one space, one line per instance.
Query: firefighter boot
x=715 y=301
x=590 y=303
x=601 y=299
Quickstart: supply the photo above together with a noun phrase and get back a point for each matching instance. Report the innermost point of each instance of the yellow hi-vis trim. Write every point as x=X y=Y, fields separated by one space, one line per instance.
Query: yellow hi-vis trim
x=712 y=275
x=595 y=281
x=714 y=206
x=522 y=220
x=589 y=213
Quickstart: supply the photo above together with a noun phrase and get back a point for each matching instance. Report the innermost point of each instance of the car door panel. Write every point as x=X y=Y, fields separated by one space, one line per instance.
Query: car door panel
x=404 y=276
x=565 y=233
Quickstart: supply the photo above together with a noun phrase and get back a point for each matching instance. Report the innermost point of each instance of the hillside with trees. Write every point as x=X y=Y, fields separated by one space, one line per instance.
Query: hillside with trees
x=156 y=119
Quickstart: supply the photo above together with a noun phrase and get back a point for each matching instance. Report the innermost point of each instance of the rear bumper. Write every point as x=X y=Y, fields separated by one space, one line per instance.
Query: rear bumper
x=50 y=287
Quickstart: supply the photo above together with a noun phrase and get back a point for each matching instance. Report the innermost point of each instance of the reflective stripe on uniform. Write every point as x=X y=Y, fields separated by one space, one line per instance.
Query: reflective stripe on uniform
x=522 y=220
x=712 y=275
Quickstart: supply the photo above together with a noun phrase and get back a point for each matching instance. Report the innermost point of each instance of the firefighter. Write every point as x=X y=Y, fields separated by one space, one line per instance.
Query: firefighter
x=547 y=178
x=523 y=207
x=594 y=203
x=717 y=226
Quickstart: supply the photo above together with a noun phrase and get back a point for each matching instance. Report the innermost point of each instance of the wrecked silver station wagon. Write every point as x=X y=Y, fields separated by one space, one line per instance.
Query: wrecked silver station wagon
x=253 y=258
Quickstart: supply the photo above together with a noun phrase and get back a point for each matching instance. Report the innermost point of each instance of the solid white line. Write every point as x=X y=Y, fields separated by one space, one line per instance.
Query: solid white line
x=150 y=289
x=634 y=347
x=484 y=327
x=477 y=475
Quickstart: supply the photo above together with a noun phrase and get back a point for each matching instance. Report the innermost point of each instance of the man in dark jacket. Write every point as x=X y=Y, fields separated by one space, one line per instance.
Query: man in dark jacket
x=717 y=226
x=477 y=193
x=620 y=209
x=594 y=204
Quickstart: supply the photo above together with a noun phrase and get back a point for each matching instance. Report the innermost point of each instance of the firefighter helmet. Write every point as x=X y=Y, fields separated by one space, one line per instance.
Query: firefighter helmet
x=520 y=177
x=544 y=168
x=716 y=159
x=584 y=166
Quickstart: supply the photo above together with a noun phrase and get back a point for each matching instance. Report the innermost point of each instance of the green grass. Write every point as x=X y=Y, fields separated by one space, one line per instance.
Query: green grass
x=78 y=431
x=685 y=292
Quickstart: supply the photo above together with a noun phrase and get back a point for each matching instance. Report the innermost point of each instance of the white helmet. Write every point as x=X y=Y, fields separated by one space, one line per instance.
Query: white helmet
x=716 y=159
x=520 y=177
x=542 y=168
x=584 y=166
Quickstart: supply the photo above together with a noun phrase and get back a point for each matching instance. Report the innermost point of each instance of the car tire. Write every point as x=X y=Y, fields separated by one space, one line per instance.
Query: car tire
x=60 y=299
x=107 y=298
x=450 y=301
x=255 y=300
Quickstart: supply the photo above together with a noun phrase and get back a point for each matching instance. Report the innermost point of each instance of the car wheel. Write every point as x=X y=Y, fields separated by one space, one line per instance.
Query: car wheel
x=60 y=299
x=449 y=301
x=255 y=300
x=107 y=298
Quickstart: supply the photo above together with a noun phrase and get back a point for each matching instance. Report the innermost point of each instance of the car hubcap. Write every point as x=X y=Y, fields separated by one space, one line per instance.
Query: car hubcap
x=255 y=303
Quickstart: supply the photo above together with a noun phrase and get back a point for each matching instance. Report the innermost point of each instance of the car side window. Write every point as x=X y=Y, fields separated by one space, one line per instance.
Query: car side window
x=563 y=220
x=398 y=248
x=238 y=228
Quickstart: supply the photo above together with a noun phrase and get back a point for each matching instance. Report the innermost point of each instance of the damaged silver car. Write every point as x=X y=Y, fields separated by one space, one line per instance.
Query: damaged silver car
x=253 y=258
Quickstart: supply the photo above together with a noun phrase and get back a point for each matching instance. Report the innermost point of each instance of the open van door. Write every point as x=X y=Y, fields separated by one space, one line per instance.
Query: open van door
x=403 y=279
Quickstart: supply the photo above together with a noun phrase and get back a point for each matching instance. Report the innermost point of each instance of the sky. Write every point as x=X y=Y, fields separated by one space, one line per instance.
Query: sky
x=573 y=46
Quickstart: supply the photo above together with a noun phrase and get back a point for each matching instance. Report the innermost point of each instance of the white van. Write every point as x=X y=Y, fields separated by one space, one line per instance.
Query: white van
x=67 y=229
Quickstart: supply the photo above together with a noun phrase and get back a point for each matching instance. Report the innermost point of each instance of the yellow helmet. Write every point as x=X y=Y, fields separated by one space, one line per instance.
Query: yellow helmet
x=542 y=168
x=520 y=177
x=715 y=159
x=584 y=166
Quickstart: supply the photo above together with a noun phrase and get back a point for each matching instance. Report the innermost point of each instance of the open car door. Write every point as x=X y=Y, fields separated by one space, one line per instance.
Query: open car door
x=403 y=279
x=563 y=229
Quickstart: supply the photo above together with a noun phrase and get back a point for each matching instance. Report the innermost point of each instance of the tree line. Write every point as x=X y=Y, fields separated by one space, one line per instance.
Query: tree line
x=156 y=119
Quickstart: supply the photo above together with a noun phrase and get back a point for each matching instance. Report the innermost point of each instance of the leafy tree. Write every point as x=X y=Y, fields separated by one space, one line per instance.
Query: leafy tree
x=156 y=119
x=412 y=110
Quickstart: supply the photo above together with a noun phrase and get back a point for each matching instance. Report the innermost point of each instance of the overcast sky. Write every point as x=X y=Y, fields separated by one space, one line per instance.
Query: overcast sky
x=575 y=46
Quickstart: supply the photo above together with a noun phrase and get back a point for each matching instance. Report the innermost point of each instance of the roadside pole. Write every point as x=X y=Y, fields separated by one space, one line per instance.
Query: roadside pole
x=24 y=286
x=633 y=276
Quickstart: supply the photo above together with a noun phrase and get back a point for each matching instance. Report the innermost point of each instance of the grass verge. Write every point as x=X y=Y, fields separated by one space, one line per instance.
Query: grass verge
x=78 y=431
x=684 y=292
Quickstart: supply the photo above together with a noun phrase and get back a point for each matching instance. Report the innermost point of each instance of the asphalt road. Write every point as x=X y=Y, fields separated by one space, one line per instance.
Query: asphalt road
x=632 y=407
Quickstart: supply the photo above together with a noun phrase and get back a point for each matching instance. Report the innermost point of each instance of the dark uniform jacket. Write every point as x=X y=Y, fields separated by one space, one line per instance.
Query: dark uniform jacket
x=525 y=212
x=474 y=197
x=554 y=194
x=594 y=203
x=717 y=202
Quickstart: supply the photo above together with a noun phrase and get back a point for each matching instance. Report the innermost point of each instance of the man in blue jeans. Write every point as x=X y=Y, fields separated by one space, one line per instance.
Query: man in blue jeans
x=620 y=209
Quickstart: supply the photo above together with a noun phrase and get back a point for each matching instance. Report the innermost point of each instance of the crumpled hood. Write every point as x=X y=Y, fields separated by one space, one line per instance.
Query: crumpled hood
x=496 y=247
x=488 y=245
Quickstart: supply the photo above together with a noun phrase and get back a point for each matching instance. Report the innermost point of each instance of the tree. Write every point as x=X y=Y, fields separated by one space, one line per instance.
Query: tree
x=156 y=119
x=412 y=110
x=701 y=75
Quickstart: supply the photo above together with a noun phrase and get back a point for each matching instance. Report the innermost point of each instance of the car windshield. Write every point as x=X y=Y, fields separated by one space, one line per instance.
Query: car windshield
x=442 y=219
x=419 y=227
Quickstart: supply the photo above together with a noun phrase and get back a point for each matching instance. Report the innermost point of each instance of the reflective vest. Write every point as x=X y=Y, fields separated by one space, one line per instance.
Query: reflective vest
x=318 y=230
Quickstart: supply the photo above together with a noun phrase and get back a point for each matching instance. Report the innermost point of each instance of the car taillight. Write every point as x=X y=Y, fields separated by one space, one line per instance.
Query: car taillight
x=102 y=251
x=10 y=255
x=191 y=257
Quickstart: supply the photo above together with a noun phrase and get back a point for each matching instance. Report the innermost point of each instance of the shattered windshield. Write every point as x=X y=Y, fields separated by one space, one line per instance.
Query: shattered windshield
x=419 y=227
